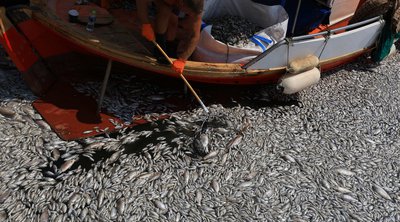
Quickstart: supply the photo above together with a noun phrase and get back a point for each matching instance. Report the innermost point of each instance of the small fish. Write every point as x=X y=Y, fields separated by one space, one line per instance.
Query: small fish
x=250 y=176
x=7 y=112
x=199 y=197
x=121 y=205
x=349 y=198
x=66 y=165
x=381 y=192
x=234 y=142
x=211 y=155
x=156 y=97
x=221 y=130
x=74 y=198
x=186 y=177
x=100 y=198
x=4 y=196
x=215 y=185
x=326 y=184
x=114 y=157
x=345 y=172
x=160 y=205
x=288 y=158
x=55 y=154
x=87 y=131
x=246 y=184
x=200 y=144
x=44 y=217
x=342 y=190
x=224 y=158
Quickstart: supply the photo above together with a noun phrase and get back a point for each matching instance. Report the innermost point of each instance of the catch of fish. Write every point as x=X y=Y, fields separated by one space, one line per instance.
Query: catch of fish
x=233 y=30
x=333 y=155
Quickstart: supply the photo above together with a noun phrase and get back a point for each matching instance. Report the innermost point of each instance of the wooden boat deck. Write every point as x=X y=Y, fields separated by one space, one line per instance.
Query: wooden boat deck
x=122 y=34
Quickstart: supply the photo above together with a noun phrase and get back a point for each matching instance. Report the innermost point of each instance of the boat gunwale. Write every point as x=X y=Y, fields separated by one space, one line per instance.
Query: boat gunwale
x=194 y=69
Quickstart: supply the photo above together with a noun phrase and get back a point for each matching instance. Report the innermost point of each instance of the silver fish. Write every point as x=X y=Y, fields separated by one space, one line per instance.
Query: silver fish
x=66 y=165
x=381 y=192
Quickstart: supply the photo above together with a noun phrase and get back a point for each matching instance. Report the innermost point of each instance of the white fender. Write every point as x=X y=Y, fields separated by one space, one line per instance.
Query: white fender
x=293 y=83
x=303 y=64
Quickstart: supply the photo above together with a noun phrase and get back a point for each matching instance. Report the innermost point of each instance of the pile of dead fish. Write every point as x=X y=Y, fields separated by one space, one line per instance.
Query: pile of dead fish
x=332 y=155
x=233 y=30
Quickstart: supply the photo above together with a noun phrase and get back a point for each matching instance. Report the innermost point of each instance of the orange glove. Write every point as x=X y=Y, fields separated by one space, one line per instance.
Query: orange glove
x=178 y=66
x=147 y=32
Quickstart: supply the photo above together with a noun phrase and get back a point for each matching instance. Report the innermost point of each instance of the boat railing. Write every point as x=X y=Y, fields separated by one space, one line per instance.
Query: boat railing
x=282 y=47
x=330 y=32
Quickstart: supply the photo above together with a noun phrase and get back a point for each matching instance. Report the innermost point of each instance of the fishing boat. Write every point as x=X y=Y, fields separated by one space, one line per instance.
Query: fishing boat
x=41 y=40
x=42 y=31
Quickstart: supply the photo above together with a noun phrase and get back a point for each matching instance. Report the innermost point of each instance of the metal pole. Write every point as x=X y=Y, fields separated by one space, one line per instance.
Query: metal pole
x=104 y=86
x=295 y=18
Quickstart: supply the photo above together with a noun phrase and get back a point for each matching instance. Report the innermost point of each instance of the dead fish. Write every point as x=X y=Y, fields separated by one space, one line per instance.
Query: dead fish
x=250 y=176
x=87 y=131
x=221 y=130
x=199 y=197
x=288 y=158
x=224 y=158
x=381 y=192
x=200 y=144
x=121 y=205
x=4 y=196
x=326 y=184
x=74 y=198
x=44 y=217
x=186 y=177
x=100 y=198
x=7 y=112
x=211 y=155
x=234 y=142
x=55 y=154
x=132 y=175
x=154 y=176
x=114 y=157
x=66 y=165
x=345 y=172
x=349 y=198
x=42 y=124
x=228 y=175
x=3 y=215
x=215 y=185
x=160 y=205
x=156 y=97
x=342 y=190
x=246 y=184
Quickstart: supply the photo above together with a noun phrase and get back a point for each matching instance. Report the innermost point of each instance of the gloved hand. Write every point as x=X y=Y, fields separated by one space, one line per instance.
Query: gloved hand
x=178 y=66
x=147 y=32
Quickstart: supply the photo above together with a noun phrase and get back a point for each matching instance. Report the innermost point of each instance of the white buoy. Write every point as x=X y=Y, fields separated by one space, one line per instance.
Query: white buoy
x=303 y=64
x=293 y=83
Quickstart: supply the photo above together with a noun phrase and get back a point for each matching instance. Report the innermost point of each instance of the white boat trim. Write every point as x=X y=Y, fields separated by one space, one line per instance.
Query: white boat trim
x=325 y=45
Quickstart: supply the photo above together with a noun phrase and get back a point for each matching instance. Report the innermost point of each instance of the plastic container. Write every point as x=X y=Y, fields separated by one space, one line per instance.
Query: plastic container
x=91 y=21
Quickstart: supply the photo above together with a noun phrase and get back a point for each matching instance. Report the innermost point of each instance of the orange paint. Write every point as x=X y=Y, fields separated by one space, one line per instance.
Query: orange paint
x=19 y=49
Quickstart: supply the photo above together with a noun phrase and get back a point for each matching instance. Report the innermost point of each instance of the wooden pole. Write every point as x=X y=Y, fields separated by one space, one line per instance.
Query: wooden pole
x=182 y=77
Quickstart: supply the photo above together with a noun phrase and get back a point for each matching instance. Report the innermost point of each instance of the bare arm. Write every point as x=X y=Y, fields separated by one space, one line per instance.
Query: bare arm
x=142 y=10
x=162 y=17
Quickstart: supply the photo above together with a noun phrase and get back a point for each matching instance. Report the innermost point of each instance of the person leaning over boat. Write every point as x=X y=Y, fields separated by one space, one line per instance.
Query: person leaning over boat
x=175 y=20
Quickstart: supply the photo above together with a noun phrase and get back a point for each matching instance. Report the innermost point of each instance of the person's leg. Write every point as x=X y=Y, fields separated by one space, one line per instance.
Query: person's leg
x=171 y=35
x=163 y=15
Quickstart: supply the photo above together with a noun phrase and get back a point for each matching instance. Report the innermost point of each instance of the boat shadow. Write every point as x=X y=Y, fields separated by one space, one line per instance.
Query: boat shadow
x=138 y=92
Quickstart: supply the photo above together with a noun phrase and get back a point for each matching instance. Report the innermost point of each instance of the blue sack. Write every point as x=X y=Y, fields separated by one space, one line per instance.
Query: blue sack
x=271 y=2
x=311 y=15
